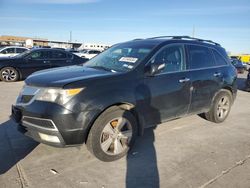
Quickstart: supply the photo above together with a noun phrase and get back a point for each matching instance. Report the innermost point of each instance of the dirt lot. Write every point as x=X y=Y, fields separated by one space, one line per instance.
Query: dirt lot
x=189 y=152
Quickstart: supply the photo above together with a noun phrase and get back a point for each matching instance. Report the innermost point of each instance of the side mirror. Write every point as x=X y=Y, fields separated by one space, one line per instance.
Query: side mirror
x=154 y=68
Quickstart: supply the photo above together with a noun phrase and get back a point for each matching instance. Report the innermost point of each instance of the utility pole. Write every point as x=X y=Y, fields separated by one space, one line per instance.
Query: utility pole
x=193 y=34
x=70 y=36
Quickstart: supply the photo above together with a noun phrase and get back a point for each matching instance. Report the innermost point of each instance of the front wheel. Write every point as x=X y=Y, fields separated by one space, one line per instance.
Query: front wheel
x=221 y=107
x=9 y=74
x=112 y=134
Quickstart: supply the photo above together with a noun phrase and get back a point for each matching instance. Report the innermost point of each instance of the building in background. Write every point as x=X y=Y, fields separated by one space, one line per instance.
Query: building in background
x=35 y=42
x=94 y=46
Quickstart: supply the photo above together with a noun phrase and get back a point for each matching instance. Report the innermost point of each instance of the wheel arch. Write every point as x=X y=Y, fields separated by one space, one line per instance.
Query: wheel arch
x=125 y=106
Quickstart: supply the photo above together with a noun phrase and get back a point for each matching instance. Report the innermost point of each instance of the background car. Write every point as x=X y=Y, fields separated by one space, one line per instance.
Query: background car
x=21 y=66
x=239 y=65
x=88 y=54
x=11 y=51
x=248 y=81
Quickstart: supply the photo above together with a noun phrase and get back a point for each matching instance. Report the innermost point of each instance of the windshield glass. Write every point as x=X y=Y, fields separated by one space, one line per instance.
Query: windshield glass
x=121 y=58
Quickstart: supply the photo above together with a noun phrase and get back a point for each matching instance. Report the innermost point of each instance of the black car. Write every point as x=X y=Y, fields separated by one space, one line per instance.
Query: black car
x=109 y=100
x=23 y=65
x=239 y=65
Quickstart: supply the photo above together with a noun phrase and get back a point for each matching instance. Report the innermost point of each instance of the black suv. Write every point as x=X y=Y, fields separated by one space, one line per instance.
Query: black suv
x=109 y=100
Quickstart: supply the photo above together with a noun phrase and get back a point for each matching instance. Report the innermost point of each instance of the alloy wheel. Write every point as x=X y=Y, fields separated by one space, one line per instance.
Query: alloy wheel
x=9 y=75
x=116 y=136
x=223 y=107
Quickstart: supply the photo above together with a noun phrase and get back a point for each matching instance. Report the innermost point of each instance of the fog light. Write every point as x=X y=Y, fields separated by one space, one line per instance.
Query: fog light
x=49 y=138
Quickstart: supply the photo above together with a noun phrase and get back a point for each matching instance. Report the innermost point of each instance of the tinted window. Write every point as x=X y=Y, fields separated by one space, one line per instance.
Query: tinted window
x=20 y=50
x=200 y=57
x=39 y=55
x=173 y=57
x=9 y=51
x=219 y=59
x=58 y=55
x=94 y=52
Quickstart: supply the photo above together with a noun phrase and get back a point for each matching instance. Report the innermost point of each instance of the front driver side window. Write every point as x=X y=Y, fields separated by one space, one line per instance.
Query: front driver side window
x=173 y=57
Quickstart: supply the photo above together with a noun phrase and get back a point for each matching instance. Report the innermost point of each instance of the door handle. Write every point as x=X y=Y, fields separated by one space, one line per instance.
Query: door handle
x=217 y=74
x=184 y=80
x=46 y=61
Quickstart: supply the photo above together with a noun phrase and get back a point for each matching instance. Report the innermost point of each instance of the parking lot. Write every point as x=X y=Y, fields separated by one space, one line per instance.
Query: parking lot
x=188 y=152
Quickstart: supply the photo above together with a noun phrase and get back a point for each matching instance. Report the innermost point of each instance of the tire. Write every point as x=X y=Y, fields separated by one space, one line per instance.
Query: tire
x=103 y=140
x=221 y=107
x=9 y=74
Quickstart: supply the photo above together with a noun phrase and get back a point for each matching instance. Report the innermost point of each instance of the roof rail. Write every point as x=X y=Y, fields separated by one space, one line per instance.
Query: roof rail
x=187 y=37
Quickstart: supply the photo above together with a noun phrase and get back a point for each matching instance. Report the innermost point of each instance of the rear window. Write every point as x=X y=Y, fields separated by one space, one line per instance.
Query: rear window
x=200 y=57
x=58 y=55
x=219 y=59
x=20 y=50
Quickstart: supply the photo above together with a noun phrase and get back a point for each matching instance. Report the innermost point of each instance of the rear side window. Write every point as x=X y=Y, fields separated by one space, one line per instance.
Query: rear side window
x=219 y=59
x=94 y=52
x=58 y=55
x=200 y=57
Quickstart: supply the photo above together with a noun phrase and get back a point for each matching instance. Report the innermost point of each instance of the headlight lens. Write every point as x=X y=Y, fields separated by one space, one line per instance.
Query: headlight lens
x=60 y=96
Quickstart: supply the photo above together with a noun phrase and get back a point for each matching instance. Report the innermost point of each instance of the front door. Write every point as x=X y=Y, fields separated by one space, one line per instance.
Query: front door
x=36 y=61
x=167 y=94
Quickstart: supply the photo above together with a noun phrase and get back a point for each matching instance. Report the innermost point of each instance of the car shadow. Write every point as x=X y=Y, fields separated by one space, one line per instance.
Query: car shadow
x=142 y=169
x=14 y=146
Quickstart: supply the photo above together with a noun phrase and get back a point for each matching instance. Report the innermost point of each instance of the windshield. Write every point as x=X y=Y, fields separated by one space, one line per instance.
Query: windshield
x=121 y=58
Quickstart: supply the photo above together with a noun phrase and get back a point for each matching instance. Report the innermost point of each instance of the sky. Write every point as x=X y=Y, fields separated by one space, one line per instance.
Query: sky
x=111 y=21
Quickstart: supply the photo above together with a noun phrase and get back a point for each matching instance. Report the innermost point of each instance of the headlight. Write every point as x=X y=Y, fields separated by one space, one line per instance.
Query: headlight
x=59 y=96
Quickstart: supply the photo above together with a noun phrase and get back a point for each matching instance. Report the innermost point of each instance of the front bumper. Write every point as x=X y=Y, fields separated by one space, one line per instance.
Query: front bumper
x=51 y=123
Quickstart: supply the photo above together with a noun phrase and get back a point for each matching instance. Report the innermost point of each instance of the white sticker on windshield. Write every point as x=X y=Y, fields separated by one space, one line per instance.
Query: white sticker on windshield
x=129 y=59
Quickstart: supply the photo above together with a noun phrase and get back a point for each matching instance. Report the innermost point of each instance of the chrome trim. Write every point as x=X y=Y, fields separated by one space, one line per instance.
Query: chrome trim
x=28 y=90
x=37 y=126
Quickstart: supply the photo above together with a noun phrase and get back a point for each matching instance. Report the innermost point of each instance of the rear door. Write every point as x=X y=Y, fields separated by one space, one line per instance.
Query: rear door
x=58 y=58
x=205 y=77
x=167 y=94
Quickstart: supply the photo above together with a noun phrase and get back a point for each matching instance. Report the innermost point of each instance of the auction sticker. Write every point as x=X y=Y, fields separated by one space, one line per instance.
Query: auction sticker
x=129 y=59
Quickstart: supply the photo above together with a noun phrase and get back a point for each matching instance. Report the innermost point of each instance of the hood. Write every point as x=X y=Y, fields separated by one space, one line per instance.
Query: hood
x=59 y=77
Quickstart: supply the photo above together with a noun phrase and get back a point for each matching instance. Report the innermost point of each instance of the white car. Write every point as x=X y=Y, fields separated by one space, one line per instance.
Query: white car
x=88 y=54
x=11 y=51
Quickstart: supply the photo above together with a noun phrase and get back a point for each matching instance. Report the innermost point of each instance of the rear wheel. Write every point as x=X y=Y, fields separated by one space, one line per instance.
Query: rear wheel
x=221 y=107
x=9 y=74
x=112 y=134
